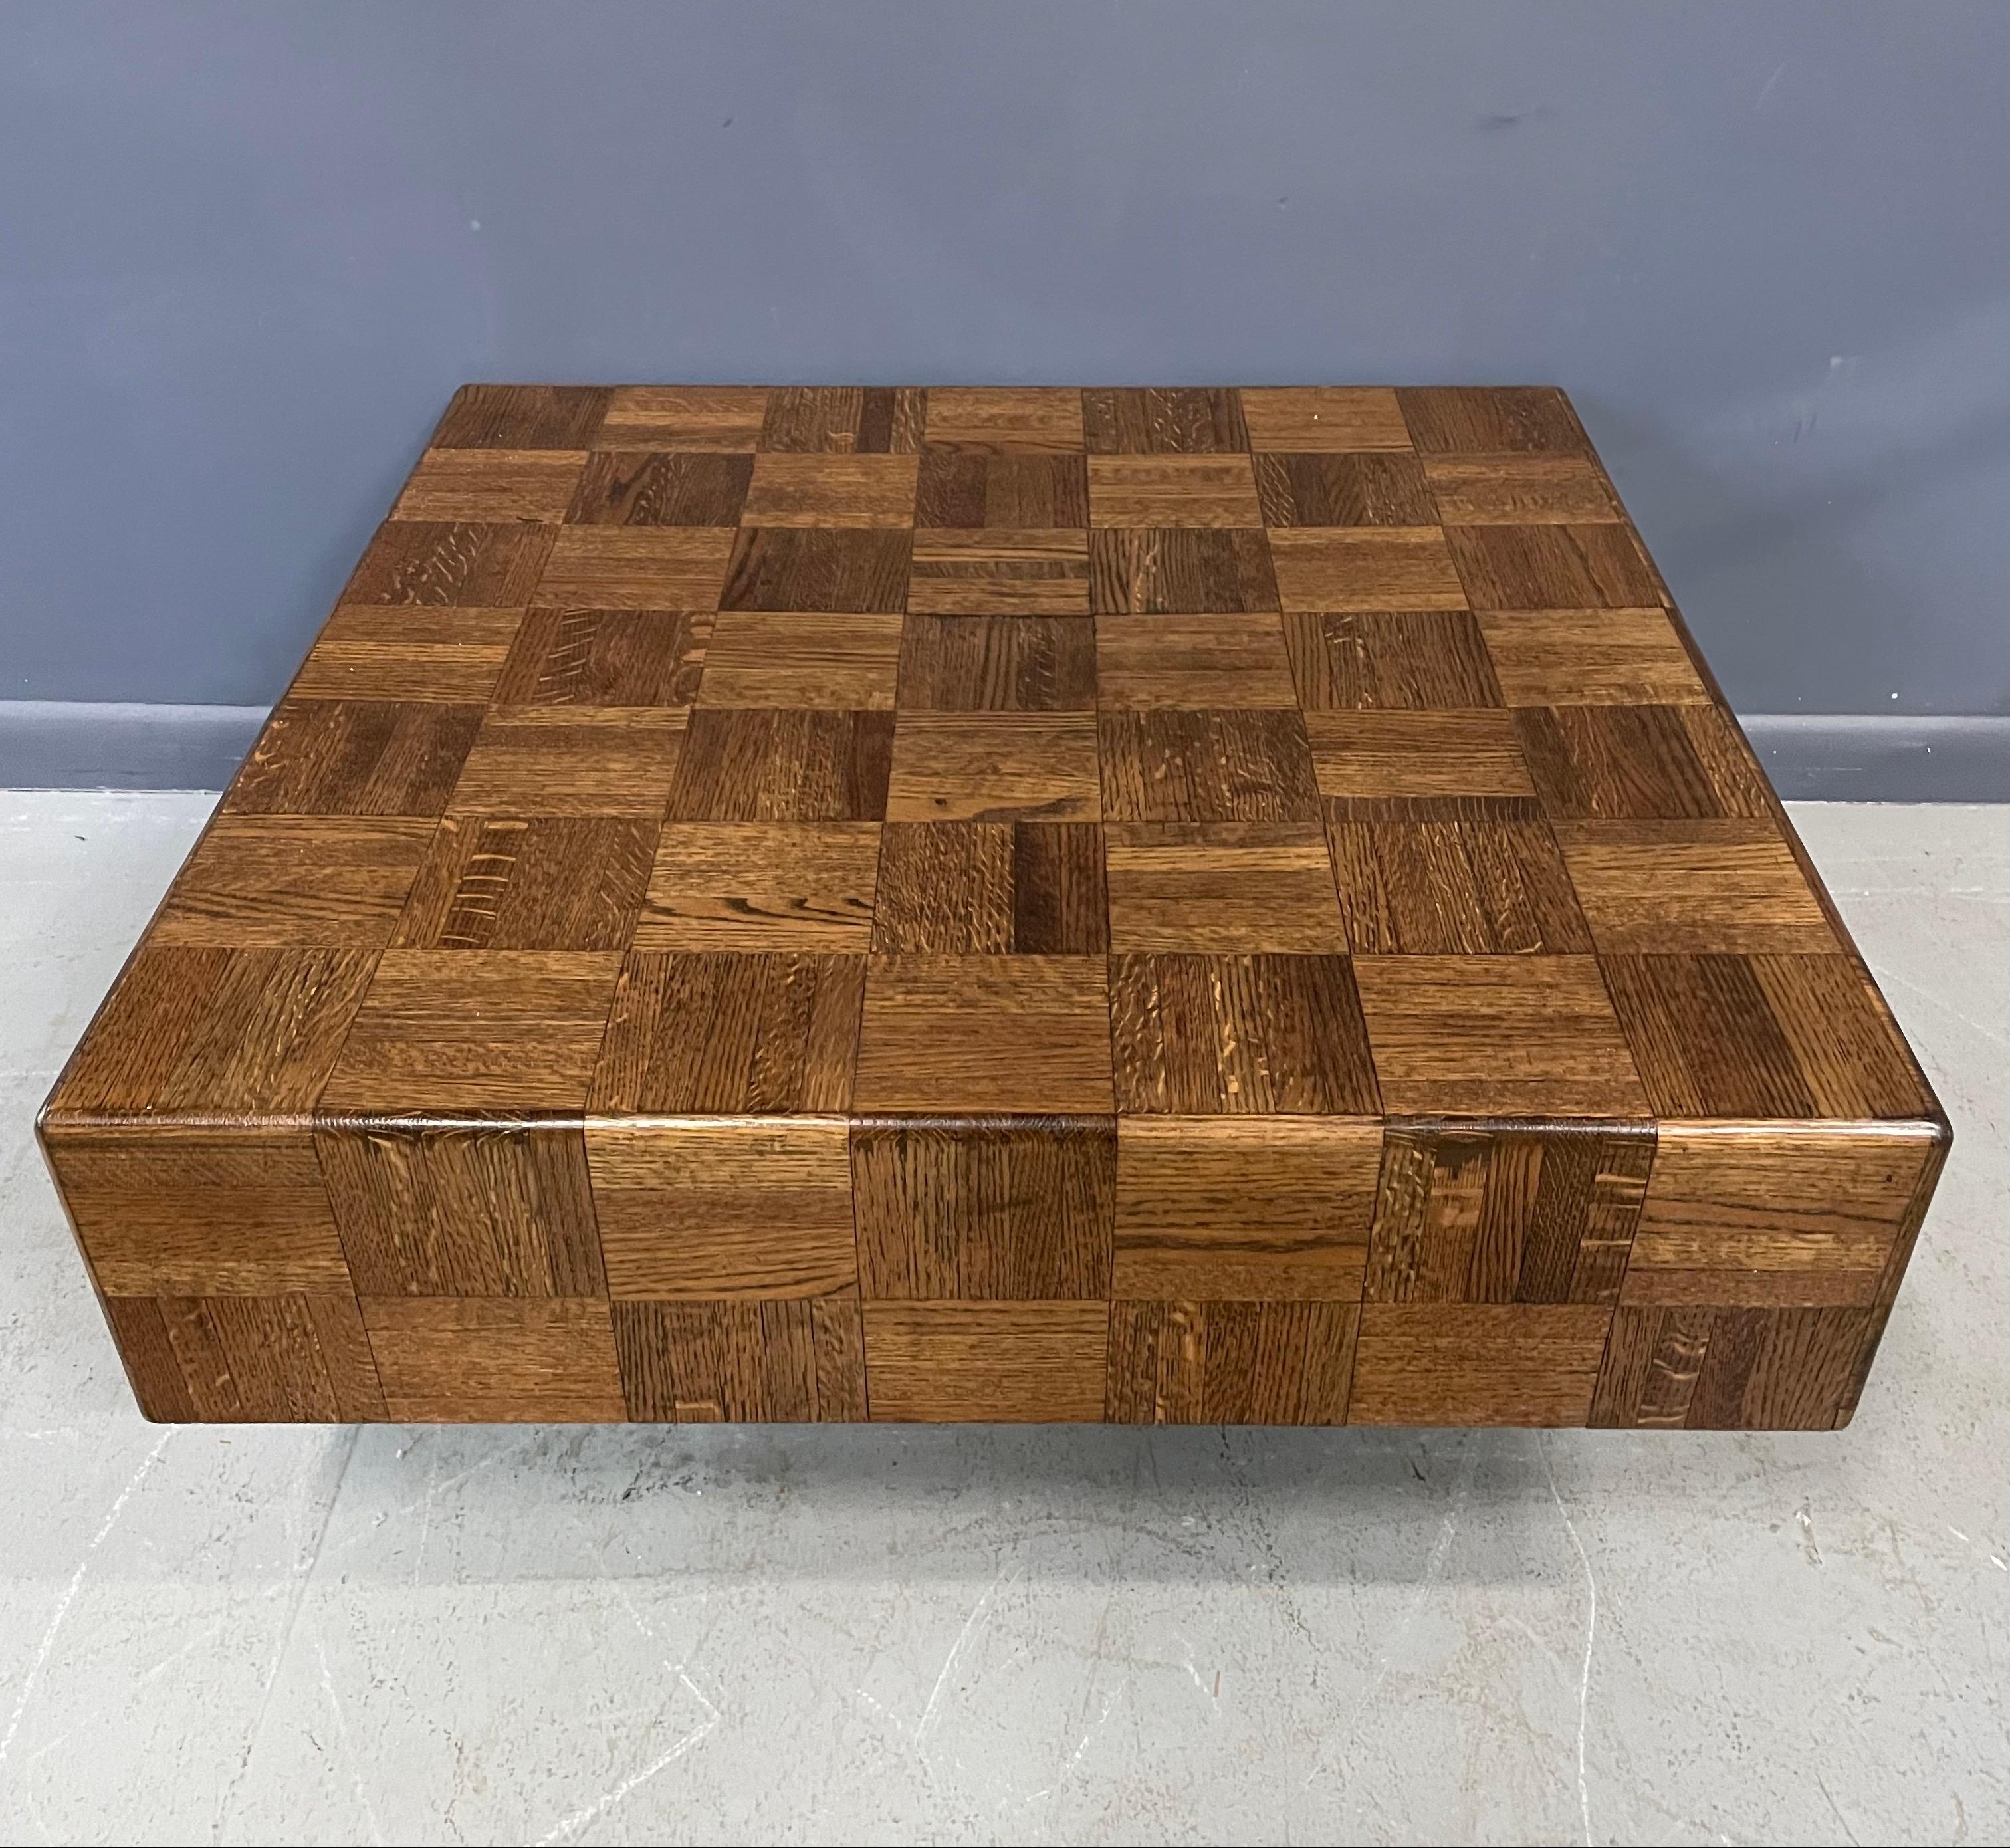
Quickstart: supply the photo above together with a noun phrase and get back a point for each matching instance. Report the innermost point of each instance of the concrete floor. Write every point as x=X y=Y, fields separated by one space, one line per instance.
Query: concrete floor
x=568 y=1635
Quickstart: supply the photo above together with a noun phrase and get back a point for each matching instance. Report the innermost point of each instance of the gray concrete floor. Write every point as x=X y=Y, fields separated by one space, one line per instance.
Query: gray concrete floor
x=569 y=1635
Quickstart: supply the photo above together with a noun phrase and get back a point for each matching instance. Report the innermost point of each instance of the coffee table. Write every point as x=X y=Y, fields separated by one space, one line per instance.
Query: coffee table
x=1184 y=906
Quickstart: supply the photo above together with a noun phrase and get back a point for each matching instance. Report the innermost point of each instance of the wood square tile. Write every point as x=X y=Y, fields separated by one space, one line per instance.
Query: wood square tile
x=548 y=882
x=1327 y=488
x=605 y=658
x=403 y=652
x=1452 y=876
x=1477 y=1363
x=489 y=485
x=660 y=488
x=1238 y=1035
x=1246 y=764
x=498 y=1360
x=1440 y=752
x=1496 y=1036
x=861 y=490
x=1494 y=1213
x=998 y=420
x=996 y=572
x=212 y=1033
x=993 y=766
x=794 y=1362
x=1365 y=567
x=777 y=764
x=637 y=568
x=962 y=488
x=1639 y=763
x=571 y=760
x=521 y=416
x=1170 y=571
x=998 y=663
x=460 y=564
x=202 y=1210
x=473 y=1030
x=1590 y=657
x=721 y=418
x=1172 y=491
x=462 y=1209
x=1216 y=1362
x=1703 y=888
x=980 y=1033
x=1159 y=421
x=354 y=757
x=1491 y=420
x=1214 y=661
x=707 y=1209
x=720 y=1033
x=761 y=886
x=1698 y=1369
x=780 y=567
x=1552 y=567
x=992 y=1210
x=1521 y=491
x=1222 y=886
x=289 y=1358
x=800 y=659
x=1244 y=1208
x=992 y=888
x=1742 y=1216
x=1390 y=660
x=1764 y=1037
x=1324 y=416
x=1005 y=1363
x=260 y=882
x=844 y=419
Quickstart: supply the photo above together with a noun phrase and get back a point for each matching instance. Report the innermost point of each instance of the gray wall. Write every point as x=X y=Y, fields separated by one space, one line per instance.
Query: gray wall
x=246 y=252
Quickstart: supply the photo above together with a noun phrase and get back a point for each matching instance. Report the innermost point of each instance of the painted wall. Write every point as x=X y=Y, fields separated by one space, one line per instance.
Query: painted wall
x=246 y=252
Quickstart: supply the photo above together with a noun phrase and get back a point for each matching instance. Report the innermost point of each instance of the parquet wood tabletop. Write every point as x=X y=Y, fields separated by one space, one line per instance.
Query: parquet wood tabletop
x=1152 y=905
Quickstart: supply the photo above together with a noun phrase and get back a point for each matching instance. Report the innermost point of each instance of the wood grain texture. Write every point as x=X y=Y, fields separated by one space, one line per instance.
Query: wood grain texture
x=961 y=1034
x=819 y=902
x=998 y=663
x=994 y=571
x=772 y=1362
x=1238 y=1035
x=760 y=885
x=612 y=658
x=1247 y=1208
x=1032 y=888
x=1225 y=885
x=1452 y=876
x=385 y=651
x=1189 y=1362
x=1005 y=1208
x=1180 y=765
x=719 y=1209
x=1324 y=418
x=1015 y=1363
x=1195 y=661
x=1365 y=567
x=994 y=766
x=1167 y=570
x=1496 y=1036
x=491 y=485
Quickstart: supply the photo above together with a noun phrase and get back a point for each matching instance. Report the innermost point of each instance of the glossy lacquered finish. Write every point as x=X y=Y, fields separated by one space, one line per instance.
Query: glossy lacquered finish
x=1162 y=906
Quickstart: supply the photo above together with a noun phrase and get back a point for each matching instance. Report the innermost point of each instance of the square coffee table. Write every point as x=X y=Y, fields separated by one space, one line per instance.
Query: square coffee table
x=1180 y=906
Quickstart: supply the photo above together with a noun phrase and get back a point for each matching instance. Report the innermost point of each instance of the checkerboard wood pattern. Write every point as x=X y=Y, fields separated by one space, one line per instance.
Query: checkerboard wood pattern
x=1153 y=905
